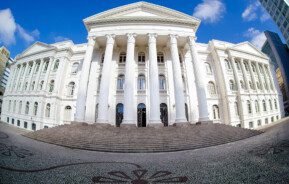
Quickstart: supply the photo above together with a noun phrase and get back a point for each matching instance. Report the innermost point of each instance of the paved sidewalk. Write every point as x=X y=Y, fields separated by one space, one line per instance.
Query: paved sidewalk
x=260 y=159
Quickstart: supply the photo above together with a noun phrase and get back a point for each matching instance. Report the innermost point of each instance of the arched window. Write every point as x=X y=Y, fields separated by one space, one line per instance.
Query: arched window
x=236 y=109
x=122 y=57
x=30 y=65
x=275 y=104
x=74 y=68
x=51 y=86
x=33 y=85
x=20 y=107
x=251 y=85
x=249 y=108
x=25 y=85
x=162 y=82
x=56 y=65
x=257 y=107
x=45 y=68
x=216 y=112
x=228 y=64
x=211 y=88
x=120 y=82
x=71 y=88
x=141 y=82
x=35 y=108
x=41 y=85
x=33 y=126
x=232 y=85
x=160 y=57
x=47 y=110
x=270 y=105
x=242 y=84
x=27 y=108
x=141 y=57
x=67 y=113
x=264 y=105
x=37 y=66
x=208 y=69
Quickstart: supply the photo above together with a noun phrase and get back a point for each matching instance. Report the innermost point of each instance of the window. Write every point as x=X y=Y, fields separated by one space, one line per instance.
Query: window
x=25 y=124
x=259 y=122
x=33 y=126
x=122 y=57
x=216 y=112
x=277 y=117
x=71 y=88
x=236 y=109
x=67 y=113
x=257 y=107
x=33 y=85
x=251 y=124
x=266 y=121
x=27 y=108
x=228 y=64
x=120 y=82
x=37 y=67
x=51 y=86
x=211 y=88
x=25 y=85
x=141 y=82
x=20 y=107
x=46 y=126
x=253 y=67
x=162 y=82
x=275 y=104
x=141 y=57
x=232 y=85
x=208 y=69
x=18 y=122
x=12 y=121
x=242 y=84
x=238 y=65
x=30 y=65
x=47 y=110
x=160 y=57
x=46 y=63
x=56 y=65
x=35 y=108
x=251 y=85
x=7 y=120
x=264 y=105
x=246 y=66
x=74 y=68
x=270 y=105
x=41 y=85
x=272 y=119
x=249 y=108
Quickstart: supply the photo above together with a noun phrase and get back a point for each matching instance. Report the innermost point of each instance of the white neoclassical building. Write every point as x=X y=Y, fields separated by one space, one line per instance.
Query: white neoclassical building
x=141 y=66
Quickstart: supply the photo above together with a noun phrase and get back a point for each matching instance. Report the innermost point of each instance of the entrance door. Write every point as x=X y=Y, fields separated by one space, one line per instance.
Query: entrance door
x=118 y=114
x=164 y=113
x=141 y=115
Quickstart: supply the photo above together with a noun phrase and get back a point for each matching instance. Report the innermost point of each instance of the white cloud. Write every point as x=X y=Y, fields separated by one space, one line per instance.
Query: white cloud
x=255 y=11
x=210 y=10
x=26 y=36
x=257 y=37
x=7 y=27
x=60 y=38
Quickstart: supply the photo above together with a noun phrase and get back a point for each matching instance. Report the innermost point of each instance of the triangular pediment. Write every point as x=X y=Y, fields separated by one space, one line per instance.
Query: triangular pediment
x=248 y=47
x=35 y=48
x=142 y=10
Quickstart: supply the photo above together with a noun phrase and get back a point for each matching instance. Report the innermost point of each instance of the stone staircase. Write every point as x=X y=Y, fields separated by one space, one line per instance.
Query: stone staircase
x=147 y=139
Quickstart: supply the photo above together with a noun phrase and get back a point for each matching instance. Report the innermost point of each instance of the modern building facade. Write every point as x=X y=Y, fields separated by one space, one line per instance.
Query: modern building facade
x=278 y=52
x=278 y=9
x=142 y=66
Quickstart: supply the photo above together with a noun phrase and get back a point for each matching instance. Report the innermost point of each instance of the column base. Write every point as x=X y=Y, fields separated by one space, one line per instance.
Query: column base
x=181 y=121
x=102 y=121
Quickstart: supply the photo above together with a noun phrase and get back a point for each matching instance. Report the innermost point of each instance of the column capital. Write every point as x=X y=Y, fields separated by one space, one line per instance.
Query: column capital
x=110 y=38
x=152 y=37
x=131 y=37
x=191 y=40
x=173 y=38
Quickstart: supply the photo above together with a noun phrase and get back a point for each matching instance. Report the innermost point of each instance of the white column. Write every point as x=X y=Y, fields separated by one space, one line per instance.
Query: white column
x=252 y=75
x=60 y=75
x=23 y=77
x=262 y=87
x=45 y=86
x=178 y=81
x=30 y=76
x=129 y=82
x=244 y=71
x=39 y=74
x=105 y=81
x=82 y=89
x=266 y=78
x=17 y=77
x=200 y=83
x=153 y=81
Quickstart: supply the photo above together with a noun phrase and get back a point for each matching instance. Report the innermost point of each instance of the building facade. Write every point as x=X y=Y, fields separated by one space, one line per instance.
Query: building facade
x=278 y=9
x=142 y=66
x=278 y=52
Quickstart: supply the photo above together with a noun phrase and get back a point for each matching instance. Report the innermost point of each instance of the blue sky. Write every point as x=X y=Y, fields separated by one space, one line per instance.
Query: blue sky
x=24 y=22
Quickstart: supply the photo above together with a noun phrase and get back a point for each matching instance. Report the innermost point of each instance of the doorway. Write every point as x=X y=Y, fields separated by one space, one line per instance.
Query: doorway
x=118 y=114
x=141 y=115
x=164 y=113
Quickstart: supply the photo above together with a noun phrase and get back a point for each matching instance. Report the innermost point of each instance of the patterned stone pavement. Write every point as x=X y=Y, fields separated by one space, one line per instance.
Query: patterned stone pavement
x=260 y=159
